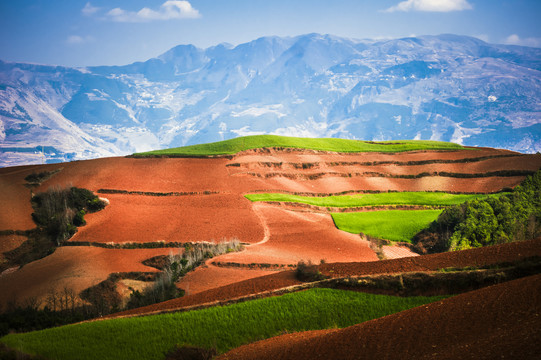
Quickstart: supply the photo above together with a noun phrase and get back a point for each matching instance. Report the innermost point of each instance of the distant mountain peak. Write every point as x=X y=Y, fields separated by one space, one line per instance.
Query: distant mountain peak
x=438 y=87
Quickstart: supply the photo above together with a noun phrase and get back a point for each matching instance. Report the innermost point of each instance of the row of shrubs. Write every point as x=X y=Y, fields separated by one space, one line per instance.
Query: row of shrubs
x=175 y=267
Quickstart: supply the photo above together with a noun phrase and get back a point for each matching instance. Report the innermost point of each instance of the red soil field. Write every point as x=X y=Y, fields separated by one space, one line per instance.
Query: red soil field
x=397 y=252
x=192 y=218
x=472 y=257
x=500 y=321
x=75 y=267
x=284 y=237
x=300 y=156
x=210 y=277
x=257 y=285
x=353 y=165
x=10 y=242
x=430 y=183
x=15 y=213
x=296 y=236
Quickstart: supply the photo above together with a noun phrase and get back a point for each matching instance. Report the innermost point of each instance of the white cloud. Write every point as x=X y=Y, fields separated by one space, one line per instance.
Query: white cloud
x=431 y=5
x=76 y=39
x=171 y=9
x=89 y=9
x=514 y=39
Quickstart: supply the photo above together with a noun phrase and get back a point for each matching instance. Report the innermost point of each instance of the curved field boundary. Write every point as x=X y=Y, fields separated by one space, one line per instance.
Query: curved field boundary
x=135 y=245
x=296 y=206
x=310 y=165
x=316 y=176
x=348 y=192
x=253 y=266
x=150 y=193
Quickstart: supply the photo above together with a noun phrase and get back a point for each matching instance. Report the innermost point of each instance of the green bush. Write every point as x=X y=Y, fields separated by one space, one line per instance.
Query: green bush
x=494 y=220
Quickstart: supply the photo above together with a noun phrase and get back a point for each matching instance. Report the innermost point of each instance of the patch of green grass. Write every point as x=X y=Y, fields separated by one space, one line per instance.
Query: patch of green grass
x=391 y=198
x=395 y=225
x=222 y=327
x=233 y=146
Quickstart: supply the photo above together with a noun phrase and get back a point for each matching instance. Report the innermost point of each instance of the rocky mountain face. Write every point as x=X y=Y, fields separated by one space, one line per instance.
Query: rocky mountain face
x=447 y=87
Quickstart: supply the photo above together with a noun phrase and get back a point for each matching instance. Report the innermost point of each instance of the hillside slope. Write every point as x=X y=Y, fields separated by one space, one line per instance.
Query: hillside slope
x=157 y=202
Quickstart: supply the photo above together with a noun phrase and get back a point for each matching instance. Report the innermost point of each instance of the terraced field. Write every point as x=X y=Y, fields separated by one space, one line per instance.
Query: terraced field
x=285 y=199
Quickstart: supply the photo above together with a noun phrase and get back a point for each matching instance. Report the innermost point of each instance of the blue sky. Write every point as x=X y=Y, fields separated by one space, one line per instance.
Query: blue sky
x=118 y=32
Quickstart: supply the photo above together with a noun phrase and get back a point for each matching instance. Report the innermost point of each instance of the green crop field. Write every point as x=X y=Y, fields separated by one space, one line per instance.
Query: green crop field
x=221 y=327
x=233 y=146
x=395 y=225
x=392 y=198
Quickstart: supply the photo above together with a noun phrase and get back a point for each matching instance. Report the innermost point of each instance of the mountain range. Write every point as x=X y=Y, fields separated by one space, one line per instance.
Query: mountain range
x=446 y=87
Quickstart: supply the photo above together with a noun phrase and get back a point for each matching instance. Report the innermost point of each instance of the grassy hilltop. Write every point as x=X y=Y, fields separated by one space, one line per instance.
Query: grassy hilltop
x=233 y=146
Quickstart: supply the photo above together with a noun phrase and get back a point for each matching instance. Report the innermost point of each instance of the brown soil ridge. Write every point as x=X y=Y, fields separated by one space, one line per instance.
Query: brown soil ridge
x=488 y=255
x=151 y=193
x=254 y=266
x=294 y=206
x=445 y=174
x=311 y=165
x=360 y=191
x=500 y=321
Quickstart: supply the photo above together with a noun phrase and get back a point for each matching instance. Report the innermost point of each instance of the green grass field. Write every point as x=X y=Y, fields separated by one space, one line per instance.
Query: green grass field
x=392 y=198
x=221 y=327
x=395 y=225
x=233 y=146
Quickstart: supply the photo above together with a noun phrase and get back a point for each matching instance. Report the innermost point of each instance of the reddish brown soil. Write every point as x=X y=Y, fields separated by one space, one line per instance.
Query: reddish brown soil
x=473 y=257
x=284 y=237
x=74 y=267
x=10 y=242
x=210 y=277
x=136 y=218
x=296 y=236
x=15 y=213
x=397 y=252
x=307 y=156
x=501 y=321
x=257 y=285
x=354 y=165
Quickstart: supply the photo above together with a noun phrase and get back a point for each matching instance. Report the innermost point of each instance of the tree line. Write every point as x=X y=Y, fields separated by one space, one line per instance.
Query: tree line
x=482 y=222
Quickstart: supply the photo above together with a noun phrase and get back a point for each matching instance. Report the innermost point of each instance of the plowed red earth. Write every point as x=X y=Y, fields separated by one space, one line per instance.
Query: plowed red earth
x=242 y=288
x=501 y=321
x=209 y=277
x=279 y=236
x=10 y=242
x=457 y=259
x=74 y=267
x=296 y=236
x=137 y=218
x=397 y=252
x=15 y=199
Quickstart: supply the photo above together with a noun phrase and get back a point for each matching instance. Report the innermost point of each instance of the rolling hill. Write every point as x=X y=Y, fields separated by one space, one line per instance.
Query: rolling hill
x=164 y=203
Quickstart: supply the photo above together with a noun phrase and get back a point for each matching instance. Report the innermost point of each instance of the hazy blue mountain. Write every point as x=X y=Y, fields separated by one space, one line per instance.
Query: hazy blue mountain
x=447 y=87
